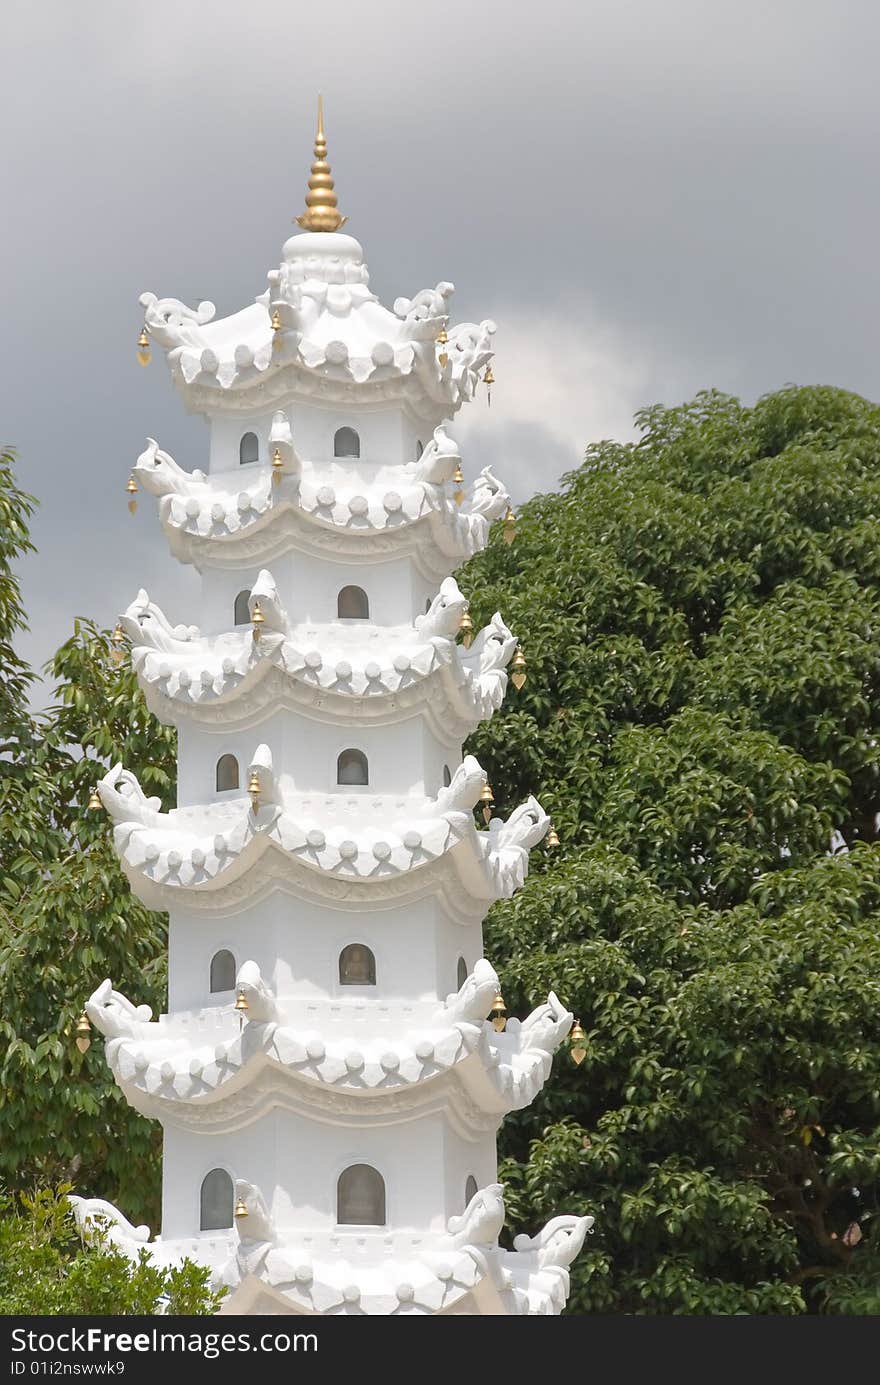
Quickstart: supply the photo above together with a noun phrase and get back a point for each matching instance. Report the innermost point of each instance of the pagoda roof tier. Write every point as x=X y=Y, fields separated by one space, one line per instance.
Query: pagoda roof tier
x=364 y=1270
x=331 y=671
x=323 y=508
x=319 y=331
x=209 y=1071
x=374 y=846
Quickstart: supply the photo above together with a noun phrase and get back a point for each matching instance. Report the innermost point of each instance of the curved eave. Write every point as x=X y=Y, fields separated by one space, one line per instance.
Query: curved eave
x=363 y=1270
x=225 y=879
x=264 y=368
x=467 y=1067
x=438 y=536
x=256 y=682
x=478 y=1281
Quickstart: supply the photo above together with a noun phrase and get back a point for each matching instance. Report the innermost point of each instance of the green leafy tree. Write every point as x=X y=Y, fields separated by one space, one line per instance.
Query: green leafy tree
x=699 y=612
x=47 y=1268
x=16 y=508
x=701 y=616
x=70 y=920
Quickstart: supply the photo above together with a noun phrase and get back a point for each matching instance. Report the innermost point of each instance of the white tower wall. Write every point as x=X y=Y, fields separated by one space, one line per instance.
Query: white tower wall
x=355 y=1032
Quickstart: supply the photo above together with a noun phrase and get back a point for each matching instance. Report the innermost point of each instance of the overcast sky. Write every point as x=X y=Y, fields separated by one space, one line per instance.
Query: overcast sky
x=650 y=197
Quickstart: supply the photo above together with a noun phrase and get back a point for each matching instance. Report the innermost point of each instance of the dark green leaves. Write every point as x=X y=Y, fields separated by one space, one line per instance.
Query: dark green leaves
x=700 y=617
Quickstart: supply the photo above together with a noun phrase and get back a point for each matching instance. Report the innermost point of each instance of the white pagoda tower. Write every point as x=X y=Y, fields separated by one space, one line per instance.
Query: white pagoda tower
x=334 y=1064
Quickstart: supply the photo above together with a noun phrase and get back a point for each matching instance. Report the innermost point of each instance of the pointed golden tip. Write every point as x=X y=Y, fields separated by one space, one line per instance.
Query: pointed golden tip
x=322 y=212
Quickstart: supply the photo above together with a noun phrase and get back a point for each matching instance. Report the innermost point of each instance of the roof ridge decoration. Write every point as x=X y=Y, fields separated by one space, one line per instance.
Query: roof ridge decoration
x=316 y=506
x=161 y=1065
x=218 y=678
x=269 y=1270
x=318 y=328
x=204 y=848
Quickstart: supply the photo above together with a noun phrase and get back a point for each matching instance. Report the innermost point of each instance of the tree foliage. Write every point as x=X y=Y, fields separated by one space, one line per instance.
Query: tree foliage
x=47 y=1268
x=16 y=508
x=700 y=615
x=70 y=920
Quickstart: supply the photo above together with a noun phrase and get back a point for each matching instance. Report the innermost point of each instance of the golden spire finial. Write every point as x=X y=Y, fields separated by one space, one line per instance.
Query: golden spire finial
x=322 y=212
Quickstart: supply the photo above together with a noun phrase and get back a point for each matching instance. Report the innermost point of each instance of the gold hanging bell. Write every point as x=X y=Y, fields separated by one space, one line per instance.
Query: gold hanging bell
x=95 y=805
x=277 y=466
x=254 y=789
x=143 y=347
x=117 y=639
x=466 y=629
x=132 y=489
x=487 y=798
x=442 y=339
x=498 y=1013
x=258 y=620
x=508 y=533
x=240 y=1208
x=458 y=482
x=241 y=1004
x=518 y=668
x=577 y=1043
x=276 y=329
x=83 y=1033
x=552 y=837
x=489 y=381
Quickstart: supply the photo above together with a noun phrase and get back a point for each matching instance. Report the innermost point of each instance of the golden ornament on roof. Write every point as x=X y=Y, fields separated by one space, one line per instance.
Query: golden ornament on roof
x=254 y=789
x=241 y=1002
x=466 y=629
x=132 y=489
x=458 y=482
x=241 y=1208
x=442 y=339
x=117 y=639
x=257 y=619
x=277 y=465
x=577 y=1043
x=487 y=798
x=95 y=804
x=552 y=837
x=322 y=212
x=83 y=1033
x=498 y=1013
x=518 y=668
x=143 y=347
x=508 y=533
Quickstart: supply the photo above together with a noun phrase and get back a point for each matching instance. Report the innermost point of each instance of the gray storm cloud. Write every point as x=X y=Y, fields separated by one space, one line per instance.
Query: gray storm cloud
x=650 y=198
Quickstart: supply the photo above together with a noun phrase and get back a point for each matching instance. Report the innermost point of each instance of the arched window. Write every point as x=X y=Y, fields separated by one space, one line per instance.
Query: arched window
x=216 y=1201
x=352 y=603
x=242 y=612
x=461 y=973
x=346 y=443
x=470 y=1189
x=227 y=773
x=351 y=768
x=360 y=1197
x=248 y=449
x=223 y=971
x=419 y=448
x=357 y=966
x=447 y=777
